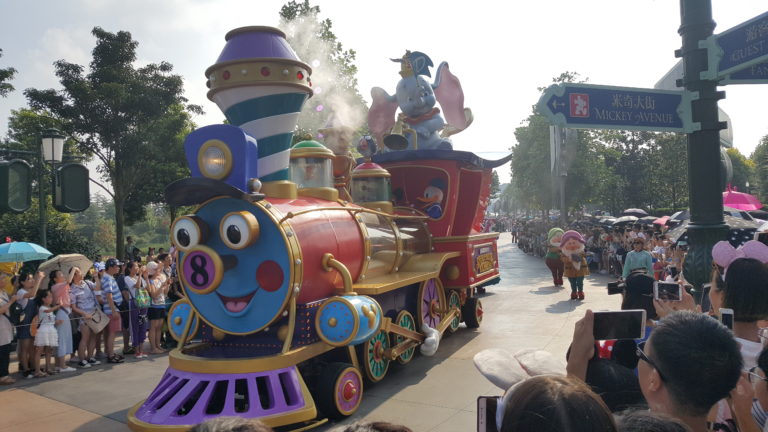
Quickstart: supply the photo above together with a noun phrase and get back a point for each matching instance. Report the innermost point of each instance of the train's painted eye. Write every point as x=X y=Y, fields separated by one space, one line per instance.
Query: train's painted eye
x=238 y=230
x=188 y=231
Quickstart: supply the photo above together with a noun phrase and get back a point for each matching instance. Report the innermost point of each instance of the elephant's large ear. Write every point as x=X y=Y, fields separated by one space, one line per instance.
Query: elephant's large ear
x=449 y=94
x=381 y=115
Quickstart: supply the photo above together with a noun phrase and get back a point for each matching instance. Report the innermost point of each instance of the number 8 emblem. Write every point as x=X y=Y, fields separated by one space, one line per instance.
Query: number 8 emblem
x=202 y=270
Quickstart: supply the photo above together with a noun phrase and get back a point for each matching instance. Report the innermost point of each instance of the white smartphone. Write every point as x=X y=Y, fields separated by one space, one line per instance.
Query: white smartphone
x=726 y=317
x=486 y=413
x=622 y=324
x=670 y=291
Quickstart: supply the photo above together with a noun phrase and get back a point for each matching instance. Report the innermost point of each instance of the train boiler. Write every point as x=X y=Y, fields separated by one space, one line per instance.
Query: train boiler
x=295 y=298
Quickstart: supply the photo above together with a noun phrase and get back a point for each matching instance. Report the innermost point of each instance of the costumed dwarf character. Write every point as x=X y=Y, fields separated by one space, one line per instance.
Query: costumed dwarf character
x=553 y=258
x=574 y=258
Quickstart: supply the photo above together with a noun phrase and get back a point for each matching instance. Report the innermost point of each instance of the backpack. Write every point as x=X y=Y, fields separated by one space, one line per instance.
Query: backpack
x=142 y=298
x=16 y=314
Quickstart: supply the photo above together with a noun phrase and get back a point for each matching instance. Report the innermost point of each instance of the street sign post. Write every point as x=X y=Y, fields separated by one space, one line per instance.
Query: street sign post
x=737 y=48
x=588 y=106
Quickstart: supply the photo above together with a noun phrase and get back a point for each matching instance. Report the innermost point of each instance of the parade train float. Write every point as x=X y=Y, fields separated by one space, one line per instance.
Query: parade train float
x=294 y=295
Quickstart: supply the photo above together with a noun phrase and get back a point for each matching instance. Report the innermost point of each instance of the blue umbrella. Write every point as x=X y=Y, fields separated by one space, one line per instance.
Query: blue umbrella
x=22 y=251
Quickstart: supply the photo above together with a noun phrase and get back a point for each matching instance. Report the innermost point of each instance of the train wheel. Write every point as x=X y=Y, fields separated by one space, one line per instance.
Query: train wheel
x=375 y=364
x=472 y=312
x=339 y=390
x=431 y=301
x=454 y=301
x=405 y=319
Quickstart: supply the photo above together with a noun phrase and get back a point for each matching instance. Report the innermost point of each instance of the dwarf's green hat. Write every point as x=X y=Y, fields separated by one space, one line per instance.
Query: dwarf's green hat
x=554 y=232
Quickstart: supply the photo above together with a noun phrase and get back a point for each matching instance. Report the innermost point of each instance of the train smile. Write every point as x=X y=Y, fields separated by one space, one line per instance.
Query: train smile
x=236 y=305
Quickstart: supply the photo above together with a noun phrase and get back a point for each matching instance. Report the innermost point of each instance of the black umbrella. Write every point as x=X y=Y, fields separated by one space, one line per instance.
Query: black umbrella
x=681 y=215
x=760 y=214
x=647 y=220
x=634 y=212
x=740 y=231
x=625 y=220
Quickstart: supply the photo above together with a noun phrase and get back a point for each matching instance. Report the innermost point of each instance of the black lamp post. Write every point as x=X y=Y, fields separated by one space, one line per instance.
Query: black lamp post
x=51 y=149
x=707 y=226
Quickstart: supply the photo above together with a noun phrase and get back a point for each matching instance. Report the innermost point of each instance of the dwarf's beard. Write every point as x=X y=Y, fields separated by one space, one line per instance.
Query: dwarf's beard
x=578 y=250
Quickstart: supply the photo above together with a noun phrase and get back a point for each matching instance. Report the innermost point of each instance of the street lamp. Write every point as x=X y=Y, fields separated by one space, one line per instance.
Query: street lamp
x=747 y=185
x=51 y=149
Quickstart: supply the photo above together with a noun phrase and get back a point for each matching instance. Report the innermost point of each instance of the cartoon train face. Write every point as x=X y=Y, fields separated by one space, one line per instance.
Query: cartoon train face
x=234 y=264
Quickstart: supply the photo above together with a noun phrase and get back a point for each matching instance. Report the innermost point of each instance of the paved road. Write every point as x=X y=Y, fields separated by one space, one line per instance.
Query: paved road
x=429 y=394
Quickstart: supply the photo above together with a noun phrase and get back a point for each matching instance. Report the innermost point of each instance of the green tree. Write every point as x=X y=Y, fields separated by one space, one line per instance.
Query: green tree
x=495 y=184
x=336 y=99
x=60 y=231
x=760 y=158
x=6 y=75
x=123 y=115
x=743 y=170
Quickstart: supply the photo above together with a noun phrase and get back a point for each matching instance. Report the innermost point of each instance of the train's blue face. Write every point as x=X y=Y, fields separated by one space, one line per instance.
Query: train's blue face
x=235 y=265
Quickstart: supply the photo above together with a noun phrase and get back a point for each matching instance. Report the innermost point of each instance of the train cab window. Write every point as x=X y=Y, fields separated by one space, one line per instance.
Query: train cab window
x=312 y=172
x=371 y=189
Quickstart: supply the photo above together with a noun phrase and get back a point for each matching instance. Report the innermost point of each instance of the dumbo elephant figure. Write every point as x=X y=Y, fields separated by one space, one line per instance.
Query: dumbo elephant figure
x=416 y=98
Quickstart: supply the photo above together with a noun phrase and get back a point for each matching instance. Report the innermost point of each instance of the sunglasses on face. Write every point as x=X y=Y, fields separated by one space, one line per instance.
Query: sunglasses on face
x=641 y=355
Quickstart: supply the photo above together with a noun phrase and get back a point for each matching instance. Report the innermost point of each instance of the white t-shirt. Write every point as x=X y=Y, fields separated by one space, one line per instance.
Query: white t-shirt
x=130 y=285
x=20 y=297
x=750 y=351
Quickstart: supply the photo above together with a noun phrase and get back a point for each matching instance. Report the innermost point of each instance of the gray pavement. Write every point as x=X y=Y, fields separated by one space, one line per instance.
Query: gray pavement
x=429 y=394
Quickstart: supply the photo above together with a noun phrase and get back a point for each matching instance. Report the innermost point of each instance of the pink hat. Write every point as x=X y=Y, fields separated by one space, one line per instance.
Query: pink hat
x=571 y=234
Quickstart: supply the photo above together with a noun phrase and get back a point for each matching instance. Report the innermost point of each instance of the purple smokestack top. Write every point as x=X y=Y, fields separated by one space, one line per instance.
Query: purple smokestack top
x=256 y=42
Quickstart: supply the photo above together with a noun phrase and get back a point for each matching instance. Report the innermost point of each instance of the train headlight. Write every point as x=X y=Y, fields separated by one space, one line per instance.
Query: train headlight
x=215 y=159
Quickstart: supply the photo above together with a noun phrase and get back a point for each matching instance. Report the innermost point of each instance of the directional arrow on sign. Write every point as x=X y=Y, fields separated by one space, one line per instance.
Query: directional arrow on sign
x=737 y=48
x=587 y=106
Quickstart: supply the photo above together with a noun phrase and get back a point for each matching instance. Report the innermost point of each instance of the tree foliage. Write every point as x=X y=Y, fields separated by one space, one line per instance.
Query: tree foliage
x=61 y=234
x=760 y=158
x=6 y=74
x=128 y=118
x=743 y=170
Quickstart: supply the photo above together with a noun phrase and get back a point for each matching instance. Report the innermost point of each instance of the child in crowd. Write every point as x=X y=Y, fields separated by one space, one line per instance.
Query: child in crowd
x=47 y=337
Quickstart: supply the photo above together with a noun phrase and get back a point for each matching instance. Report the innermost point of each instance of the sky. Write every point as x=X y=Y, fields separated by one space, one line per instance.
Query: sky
x=500 y=51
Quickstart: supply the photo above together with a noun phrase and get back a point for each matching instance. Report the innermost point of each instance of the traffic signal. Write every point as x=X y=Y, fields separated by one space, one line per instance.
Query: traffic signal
x=71 y=193
x=15 y=186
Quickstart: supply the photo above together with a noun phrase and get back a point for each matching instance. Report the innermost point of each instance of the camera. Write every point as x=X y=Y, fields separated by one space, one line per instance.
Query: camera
x=616 y=287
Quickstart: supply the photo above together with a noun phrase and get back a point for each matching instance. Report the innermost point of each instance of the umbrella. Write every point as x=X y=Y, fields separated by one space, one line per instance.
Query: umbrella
x=740 y=231
x=647 y=220
x=634 y=212
x=741 y=200
x=760 y=214
x=730 y=211
x=625 y=220
x=22 y=251
x=65 y=264
x=661 y=221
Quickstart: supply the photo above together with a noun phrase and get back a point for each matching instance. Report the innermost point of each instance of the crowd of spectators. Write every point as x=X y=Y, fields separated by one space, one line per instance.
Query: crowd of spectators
x=73 y=321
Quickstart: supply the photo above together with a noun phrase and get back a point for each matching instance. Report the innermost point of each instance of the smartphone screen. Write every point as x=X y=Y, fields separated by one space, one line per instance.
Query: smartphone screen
x=667 y=291
x=625 y=324
x=726 y=317
x=486 y=413
x=706 y=305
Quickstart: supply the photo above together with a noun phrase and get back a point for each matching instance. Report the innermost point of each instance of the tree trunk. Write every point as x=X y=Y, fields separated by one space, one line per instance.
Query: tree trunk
x=119 y=223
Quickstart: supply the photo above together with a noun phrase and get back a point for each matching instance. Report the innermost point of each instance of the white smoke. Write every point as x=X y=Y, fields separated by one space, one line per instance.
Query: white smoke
x=336 y=101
